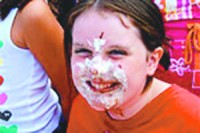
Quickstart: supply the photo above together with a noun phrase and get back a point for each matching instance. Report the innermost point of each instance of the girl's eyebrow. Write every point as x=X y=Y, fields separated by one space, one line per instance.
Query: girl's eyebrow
x=118 y=46
x=78 y=44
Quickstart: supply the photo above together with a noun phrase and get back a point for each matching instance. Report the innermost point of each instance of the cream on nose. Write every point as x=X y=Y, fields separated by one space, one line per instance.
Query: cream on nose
x=100 y=66
x=94 y=71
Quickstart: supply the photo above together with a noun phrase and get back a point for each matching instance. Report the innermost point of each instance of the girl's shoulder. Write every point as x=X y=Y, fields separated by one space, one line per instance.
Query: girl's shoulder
x=36 y=9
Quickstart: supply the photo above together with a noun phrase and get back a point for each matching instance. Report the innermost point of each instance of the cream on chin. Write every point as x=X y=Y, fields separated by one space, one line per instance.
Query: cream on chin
x=103 y=90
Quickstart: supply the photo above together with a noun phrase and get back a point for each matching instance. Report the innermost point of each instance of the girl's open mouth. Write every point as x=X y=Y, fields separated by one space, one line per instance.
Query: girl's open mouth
x=103 y=87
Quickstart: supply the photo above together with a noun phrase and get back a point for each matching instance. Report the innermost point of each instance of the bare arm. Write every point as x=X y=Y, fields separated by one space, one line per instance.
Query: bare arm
x=43 y=35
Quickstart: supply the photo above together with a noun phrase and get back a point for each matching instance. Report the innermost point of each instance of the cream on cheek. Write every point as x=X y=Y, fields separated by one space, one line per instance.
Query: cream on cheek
x=93 y=76
x=108 y=73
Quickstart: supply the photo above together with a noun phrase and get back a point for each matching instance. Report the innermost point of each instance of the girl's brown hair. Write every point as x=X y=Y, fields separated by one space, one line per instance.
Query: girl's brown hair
x=144 y=14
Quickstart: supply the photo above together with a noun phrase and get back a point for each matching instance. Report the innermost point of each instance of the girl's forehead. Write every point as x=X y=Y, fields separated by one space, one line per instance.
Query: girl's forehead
x=102 y=25
x=101 y=19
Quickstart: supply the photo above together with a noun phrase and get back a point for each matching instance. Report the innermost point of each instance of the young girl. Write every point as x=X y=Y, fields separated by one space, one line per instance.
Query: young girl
x=32 y=61
x=116 y=47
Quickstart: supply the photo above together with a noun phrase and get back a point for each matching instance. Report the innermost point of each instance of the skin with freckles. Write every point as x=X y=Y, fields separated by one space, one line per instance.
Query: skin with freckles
x=110 y=62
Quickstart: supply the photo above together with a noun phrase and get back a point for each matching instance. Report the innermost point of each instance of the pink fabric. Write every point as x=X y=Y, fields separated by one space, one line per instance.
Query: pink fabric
x=179 y=9
x=184 y=12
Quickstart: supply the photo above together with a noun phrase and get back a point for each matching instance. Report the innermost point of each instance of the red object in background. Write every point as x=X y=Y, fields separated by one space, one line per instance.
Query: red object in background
x=1 y=80
x=197 y=78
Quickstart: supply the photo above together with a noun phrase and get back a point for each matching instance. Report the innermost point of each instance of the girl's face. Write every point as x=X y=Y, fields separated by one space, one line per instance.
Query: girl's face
x=109 y=60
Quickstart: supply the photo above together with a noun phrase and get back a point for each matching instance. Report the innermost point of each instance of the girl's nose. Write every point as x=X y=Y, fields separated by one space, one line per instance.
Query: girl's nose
x=94 y=71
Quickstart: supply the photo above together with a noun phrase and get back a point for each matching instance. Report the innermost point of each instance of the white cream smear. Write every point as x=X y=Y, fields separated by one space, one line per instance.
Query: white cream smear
x=101 y=82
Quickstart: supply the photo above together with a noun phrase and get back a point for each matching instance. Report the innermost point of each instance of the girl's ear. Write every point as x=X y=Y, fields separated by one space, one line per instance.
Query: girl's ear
x=153 y=60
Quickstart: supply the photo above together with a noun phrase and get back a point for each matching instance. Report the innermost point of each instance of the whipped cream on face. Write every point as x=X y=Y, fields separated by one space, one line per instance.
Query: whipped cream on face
x=107 y=72
x=93 y=76
x=97 y=44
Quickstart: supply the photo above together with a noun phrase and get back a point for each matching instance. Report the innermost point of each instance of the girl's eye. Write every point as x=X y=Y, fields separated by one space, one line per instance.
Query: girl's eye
x=83 y=52
x=117 y=53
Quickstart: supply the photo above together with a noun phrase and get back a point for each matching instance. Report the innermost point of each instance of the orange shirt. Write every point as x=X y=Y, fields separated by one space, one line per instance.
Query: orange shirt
x=174 y=111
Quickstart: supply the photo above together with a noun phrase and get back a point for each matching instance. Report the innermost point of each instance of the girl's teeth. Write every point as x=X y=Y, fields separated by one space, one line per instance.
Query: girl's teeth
x=101 y=86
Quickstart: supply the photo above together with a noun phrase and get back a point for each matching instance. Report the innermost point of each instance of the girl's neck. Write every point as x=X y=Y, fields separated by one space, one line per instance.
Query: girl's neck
x=155 y=88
